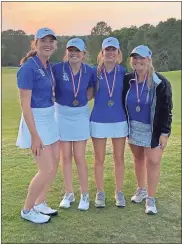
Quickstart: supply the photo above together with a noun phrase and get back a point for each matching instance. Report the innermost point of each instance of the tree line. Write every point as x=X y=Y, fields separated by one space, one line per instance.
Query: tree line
x=164 y=40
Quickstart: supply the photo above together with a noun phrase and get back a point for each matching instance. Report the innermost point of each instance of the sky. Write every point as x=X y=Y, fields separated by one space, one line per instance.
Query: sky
x=78 y=18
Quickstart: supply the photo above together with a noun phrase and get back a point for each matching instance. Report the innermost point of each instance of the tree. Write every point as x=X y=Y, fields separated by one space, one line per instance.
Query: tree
x=101 y=29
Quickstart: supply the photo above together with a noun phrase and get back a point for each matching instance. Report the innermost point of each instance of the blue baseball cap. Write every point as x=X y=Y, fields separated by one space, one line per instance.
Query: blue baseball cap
x=78 y=43
x=142 y=50
x=44 y=32
x=110 y=42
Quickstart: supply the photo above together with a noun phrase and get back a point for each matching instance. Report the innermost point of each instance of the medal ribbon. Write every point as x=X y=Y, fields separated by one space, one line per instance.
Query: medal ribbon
x=113 y=83
x=52 y=80
x=136 y=82
x=53 y=83
x=73 y=82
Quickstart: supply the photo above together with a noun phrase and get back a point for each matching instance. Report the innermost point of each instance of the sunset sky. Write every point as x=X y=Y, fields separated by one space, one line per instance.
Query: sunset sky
x=78 y=18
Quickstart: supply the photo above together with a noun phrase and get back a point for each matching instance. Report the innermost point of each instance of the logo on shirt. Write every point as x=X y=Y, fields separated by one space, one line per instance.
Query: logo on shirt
x=41 y=72
x=65 y=77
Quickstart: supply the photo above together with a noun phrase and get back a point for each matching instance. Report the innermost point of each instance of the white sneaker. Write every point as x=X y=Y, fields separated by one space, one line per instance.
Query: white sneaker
x=139 y=196
x=35 y=217
x=43 y=208
x=150 y=207
x=67 y=200
x=84 y=202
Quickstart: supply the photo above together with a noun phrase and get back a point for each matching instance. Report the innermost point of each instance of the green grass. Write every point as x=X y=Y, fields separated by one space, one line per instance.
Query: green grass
x=109 y=225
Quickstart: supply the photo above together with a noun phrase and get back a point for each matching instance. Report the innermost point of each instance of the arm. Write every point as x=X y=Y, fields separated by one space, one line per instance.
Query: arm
x=91 y=86
x=166 y=109
x=90 y=93
x=166 y=115
x=25 y=84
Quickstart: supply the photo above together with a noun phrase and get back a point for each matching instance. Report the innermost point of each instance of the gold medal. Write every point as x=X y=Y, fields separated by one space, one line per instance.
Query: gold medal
x=75 y=102
x=138 y=108
x=110 y=103
x=53 y=99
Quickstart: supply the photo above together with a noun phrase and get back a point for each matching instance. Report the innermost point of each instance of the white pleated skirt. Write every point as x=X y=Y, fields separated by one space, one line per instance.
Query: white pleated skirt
x=109 y=130
x=73 y=122
x=46 y=126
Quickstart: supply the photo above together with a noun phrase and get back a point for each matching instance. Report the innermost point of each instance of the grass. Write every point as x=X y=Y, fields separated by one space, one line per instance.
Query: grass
x=109 y=225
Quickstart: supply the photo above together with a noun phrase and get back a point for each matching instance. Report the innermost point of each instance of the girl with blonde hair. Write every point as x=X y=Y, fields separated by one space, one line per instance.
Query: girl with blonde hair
x=108 y=119
x=147 y=97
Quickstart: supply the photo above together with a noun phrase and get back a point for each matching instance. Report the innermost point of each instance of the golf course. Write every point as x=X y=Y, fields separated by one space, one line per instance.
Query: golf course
x=108 y=225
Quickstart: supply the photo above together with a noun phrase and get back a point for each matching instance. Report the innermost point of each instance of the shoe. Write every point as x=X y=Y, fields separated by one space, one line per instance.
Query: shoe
x=139 y=196
x=35 y=217
x=43 y=208
x=120 y=199
x=67 y=200
x=100 y=199
x=84 y=202
x=150 y=207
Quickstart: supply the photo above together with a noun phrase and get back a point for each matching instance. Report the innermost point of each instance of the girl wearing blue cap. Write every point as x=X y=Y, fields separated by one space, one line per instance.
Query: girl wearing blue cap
x=73 y=79
x=108 y=119
x=147 y=97
x=38 y=129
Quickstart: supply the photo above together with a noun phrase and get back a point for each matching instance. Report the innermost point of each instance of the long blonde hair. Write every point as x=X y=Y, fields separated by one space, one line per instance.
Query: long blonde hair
x=31 y=53
x=151 y=71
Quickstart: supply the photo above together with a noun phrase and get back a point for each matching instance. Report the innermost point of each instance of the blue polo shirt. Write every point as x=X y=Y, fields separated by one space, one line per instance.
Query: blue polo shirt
x=64 y=87
x=37 y=79
x=131 y=103
x=101 y=112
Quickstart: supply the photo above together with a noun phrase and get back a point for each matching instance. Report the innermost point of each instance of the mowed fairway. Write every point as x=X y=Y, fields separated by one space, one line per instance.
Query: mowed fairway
x=109 y=225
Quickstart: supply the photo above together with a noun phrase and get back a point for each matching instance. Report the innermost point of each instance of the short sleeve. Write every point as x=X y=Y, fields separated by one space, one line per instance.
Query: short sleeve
x=56 y=69
x=93 y=78
x=25 y=77
x=123 y=70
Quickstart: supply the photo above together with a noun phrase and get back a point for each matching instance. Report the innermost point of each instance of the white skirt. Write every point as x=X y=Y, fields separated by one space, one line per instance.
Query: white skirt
x=73 y=122
x=45 y=124
x=109 y=130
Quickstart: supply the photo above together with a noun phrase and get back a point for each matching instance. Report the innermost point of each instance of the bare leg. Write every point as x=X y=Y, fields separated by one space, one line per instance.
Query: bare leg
x=139 y=164
x=99 y=154
x=79 y=149
x=56 y=155
x=66 y=157
x=153 y=158
x=45 y=176
x=118 y=155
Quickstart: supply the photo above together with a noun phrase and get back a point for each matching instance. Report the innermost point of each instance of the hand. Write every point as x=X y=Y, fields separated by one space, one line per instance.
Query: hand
x=163 y=141
x=90 y=93
x=37 y=145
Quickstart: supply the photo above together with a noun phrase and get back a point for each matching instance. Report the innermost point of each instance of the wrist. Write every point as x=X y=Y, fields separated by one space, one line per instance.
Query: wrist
x=164 y=134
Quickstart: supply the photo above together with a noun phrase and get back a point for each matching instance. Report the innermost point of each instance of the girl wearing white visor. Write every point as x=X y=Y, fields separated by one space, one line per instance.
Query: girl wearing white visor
x=38 y=129
x=108 y=119
x=73 y=80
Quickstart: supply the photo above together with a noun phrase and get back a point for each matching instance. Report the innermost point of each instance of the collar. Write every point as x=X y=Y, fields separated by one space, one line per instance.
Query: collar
x=37 y=59
x=155 y=78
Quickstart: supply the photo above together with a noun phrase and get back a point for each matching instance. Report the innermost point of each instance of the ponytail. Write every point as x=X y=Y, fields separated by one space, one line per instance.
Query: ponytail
x=150 y=73
x=31 y=53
